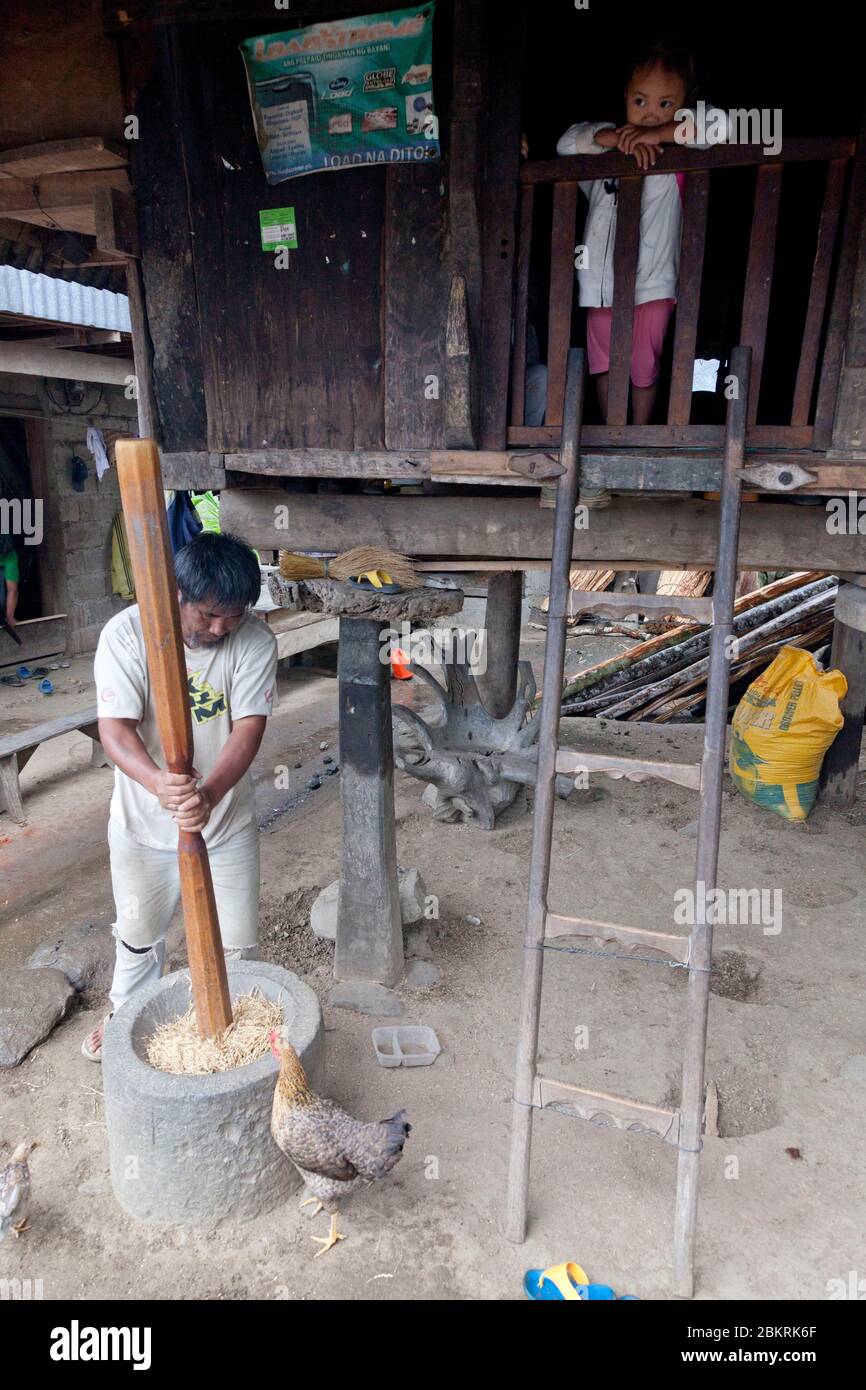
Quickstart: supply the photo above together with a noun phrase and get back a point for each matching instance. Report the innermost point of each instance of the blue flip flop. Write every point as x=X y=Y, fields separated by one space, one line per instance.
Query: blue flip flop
x=559 y=1284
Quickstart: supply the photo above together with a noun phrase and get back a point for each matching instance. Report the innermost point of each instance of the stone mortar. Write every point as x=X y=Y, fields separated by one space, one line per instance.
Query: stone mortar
x=197 y=1150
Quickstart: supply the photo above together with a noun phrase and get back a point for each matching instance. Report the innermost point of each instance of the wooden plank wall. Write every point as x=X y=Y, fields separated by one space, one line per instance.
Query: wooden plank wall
x=505 y=50
x=415 y=306
x=415 y=276
x=292 y=356
x=167 y=270
x=345 y=348
x=840 y=420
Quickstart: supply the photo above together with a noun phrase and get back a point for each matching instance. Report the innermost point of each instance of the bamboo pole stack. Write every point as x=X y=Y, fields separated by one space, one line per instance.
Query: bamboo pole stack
x=664 y=678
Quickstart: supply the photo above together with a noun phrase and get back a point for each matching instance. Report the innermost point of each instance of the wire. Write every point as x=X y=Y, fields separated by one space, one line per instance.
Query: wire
x=67 y=409
x=34 y=189
x=617 y=955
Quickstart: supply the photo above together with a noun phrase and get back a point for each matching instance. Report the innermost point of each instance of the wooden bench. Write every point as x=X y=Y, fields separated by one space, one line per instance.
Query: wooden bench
x=295 y=632
x=17 y=749
x=302 y=632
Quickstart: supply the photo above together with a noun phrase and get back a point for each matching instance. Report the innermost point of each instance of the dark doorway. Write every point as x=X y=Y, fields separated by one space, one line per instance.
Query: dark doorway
x=16 y=487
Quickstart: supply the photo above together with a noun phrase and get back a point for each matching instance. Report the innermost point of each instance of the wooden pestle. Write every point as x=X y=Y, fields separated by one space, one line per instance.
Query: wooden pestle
x=141 y=491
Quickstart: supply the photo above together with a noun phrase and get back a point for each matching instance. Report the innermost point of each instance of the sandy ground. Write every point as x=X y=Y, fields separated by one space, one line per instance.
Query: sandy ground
x=781 y=1207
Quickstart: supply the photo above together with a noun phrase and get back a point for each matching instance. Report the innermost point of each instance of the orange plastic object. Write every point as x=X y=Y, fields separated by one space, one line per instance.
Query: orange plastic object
x=399 y=668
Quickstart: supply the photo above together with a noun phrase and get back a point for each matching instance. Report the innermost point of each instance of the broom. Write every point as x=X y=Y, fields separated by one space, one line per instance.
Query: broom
x=363 y=562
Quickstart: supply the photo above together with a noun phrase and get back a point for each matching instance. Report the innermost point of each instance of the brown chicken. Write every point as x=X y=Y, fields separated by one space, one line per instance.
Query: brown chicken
x=334 y=1153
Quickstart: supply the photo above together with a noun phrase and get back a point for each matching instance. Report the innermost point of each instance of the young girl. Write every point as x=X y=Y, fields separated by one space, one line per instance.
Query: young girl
x=661 y=83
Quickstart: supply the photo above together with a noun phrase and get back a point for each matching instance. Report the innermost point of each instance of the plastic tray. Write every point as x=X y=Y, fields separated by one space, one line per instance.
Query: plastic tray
x=406 y=1046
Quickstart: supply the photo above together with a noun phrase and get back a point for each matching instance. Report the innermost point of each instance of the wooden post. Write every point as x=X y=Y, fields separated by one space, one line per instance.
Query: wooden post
x=464 y=258
x=459 y=431
x=839 y=773
x=542 y=820
x=141 y=492
x=116 y=219
x=505 y=47
x=498 y=685
x=369 y=926
x=709 y=825
x=836 y=423
x=142 y=351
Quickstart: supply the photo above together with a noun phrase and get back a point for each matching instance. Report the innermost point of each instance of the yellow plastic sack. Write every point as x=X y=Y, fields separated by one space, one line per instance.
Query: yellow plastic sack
x=781 y=730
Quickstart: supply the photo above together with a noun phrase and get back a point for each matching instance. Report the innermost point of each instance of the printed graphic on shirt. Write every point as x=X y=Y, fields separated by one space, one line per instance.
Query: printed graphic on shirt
x=205 y=702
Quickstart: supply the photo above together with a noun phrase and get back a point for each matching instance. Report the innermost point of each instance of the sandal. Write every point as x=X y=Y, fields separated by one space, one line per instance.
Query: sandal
x=376 y=581
x=94 y=1054
x=560 y=1283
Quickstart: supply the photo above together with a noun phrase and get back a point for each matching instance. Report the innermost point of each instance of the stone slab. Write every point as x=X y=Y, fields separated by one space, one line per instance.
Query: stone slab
x=422 y=974
x=410 y=887
x=366 y=997
x=341 y=600
x=32 y=1002
x=84 y=953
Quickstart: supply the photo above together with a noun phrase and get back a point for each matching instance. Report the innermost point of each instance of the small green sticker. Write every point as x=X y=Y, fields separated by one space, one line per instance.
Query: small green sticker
x=278 y=229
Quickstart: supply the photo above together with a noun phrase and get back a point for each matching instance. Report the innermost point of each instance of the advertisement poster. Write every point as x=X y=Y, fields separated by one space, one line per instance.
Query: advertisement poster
x=345 y=93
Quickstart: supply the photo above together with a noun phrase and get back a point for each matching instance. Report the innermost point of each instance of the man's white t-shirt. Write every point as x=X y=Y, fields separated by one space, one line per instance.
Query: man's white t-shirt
x=231 y=680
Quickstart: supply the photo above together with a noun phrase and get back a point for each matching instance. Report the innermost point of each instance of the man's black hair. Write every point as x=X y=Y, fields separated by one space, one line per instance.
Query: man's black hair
x=218 y=568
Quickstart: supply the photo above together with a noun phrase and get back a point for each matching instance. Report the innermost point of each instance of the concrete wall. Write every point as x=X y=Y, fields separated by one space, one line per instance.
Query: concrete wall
x=75 y=556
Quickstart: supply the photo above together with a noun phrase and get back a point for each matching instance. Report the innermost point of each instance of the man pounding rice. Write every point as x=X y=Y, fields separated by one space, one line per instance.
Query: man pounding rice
x=231 y=664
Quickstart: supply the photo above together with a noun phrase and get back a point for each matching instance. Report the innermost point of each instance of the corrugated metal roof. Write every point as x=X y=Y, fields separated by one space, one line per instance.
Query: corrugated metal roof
x=61 y=301
x=45 y=254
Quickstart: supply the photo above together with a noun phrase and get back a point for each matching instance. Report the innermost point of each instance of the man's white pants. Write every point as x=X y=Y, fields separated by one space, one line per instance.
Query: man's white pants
x=146 y=885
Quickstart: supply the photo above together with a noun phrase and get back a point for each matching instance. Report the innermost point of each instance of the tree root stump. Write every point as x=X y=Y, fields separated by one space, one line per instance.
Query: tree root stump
x=476 y=763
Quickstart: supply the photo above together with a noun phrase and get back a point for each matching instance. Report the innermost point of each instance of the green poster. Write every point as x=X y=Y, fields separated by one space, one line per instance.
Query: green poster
x=344 y=93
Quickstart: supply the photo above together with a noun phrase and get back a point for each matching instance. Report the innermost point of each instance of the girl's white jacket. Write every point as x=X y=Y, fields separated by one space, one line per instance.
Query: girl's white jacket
x=661 y=219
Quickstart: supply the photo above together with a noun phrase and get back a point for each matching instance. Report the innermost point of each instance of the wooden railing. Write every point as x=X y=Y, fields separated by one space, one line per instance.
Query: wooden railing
x=822 y=342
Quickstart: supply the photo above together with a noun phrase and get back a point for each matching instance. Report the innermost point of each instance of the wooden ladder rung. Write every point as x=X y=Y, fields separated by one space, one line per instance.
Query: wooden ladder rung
x=585 y=601
x=556 y=924
x=570 y=762
x=605 y=1110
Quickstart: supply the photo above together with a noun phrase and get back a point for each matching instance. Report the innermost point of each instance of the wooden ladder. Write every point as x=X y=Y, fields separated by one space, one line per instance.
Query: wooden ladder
x=681 y=1128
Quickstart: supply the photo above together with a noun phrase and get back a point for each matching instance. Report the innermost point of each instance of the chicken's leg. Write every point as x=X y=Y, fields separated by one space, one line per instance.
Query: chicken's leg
x=330 y=1240
x=306 y=1202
